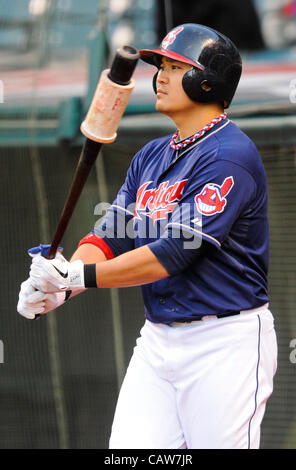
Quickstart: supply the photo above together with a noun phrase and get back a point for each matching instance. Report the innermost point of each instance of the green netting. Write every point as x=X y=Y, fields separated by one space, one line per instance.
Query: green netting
x=279 y=425
x=60 y=376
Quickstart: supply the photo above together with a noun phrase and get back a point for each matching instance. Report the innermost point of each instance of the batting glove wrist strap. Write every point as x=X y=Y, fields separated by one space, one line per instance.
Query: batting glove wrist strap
x=76 y=274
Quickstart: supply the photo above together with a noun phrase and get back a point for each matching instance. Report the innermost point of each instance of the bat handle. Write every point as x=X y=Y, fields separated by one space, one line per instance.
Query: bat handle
x=87 y=158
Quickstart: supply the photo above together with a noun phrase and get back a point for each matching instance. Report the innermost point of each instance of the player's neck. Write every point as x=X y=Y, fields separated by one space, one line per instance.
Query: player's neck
x=189 y=123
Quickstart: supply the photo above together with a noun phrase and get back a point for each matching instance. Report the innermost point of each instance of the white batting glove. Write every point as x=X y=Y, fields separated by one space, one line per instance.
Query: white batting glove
x=32 y=302
x=56 y=275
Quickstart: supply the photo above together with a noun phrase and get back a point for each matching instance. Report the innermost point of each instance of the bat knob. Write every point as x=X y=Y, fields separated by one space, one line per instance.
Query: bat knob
x=123 y=65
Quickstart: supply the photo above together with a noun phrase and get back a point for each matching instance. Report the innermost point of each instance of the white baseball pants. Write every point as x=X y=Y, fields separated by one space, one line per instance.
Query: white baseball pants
x=202 y=385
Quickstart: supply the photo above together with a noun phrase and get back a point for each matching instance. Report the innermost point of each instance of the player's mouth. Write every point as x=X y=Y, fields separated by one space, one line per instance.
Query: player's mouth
x=160 y=92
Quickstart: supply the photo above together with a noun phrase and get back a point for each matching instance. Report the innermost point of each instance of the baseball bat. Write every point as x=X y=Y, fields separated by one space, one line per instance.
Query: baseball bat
x=100 y=125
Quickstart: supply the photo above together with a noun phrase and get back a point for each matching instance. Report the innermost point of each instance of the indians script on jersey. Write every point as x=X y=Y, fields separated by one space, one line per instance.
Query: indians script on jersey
x=159 y=201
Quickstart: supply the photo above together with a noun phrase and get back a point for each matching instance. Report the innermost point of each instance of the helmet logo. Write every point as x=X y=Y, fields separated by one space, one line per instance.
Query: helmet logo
x=170 y=37
x=211 y=200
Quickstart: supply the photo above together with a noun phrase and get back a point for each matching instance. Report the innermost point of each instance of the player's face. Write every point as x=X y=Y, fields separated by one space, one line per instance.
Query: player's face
x=170 y=96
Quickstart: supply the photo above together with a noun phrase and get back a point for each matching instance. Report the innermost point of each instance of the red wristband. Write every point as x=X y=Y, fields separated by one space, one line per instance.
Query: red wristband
x=99 y=242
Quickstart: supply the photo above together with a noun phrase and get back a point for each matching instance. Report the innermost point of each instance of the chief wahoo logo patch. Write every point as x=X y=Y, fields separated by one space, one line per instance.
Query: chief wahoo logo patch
x=170 y=37
x=212 y=198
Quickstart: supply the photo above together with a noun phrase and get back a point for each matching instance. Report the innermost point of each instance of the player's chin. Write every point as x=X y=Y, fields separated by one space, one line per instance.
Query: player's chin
x=161 y=106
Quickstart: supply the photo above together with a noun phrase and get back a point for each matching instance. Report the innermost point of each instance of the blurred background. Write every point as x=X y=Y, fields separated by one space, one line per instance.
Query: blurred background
x=59 y=376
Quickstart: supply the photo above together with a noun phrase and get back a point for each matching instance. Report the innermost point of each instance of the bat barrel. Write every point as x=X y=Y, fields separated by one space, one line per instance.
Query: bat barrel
x=111 y=97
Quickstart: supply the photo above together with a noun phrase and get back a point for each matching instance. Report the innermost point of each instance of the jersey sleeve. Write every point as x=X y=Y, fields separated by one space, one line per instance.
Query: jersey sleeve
x=114 y=229
x=213 y=202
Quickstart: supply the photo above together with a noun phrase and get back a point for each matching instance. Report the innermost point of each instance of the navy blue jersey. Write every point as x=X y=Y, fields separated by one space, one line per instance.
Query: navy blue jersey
x=203 y=213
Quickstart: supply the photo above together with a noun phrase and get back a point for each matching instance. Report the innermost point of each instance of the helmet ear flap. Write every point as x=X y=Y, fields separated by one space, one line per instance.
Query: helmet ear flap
x=191 y=83
x=202 y=86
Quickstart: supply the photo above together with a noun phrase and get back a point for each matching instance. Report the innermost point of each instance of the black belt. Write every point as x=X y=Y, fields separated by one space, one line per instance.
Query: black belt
x=230 y=314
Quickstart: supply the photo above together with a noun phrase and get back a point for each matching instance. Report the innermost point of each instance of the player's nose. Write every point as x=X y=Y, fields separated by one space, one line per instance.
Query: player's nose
x=162 y=76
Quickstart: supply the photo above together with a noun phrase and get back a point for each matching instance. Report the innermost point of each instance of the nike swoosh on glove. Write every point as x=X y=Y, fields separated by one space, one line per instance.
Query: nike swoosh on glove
x=56 y=275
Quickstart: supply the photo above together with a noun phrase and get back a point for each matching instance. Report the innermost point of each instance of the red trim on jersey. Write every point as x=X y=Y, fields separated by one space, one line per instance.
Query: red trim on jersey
x=171 y=55
x=99 y=242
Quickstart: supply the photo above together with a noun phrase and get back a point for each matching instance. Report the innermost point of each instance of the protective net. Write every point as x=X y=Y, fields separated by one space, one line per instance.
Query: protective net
x=60 y=376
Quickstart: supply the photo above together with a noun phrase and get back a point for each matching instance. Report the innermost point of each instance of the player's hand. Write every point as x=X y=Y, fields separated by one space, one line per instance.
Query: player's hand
x=33 y=302
x=56 y=275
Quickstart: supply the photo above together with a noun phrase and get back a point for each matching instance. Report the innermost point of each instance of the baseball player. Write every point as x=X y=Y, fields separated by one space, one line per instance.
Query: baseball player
x=190 y=226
